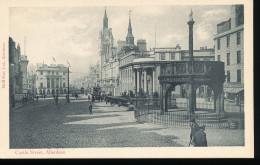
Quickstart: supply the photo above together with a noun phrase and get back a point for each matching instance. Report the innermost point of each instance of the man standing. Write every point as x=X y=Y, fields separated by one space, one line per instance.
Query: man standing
x=200 y=139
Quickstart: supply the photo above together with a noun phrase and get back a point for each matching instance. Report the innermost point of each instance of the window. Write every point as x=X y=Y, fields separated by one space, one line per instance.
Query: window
x=238 y=38
x=49 y=72
x=41 y=85
x=52 y=72
x=63 y=85
x=48 y=83
x=218 y=43
x=228 y=40
x=173 y=56
x=41 y=72
x=162 y=56
x=238 y=75
x=218 y=57
x=228 y=76
x=64 y=73
x=57 y=73
x=238 y=57
x=228 y=58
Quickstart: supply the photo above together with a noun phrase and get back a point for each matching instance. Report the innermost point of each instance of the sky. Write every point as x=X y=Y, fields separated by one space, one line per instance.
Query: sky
x=71 y=33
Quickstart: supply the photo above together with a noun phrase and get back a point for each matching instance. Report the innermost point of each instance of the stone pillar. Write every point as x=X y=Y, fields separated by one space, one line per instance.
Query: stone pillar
x=153 y=83
x=192 y=99
x=145 y=80
x=140 y=80
x=162 y=98
x=219 y=99
x=137 y=81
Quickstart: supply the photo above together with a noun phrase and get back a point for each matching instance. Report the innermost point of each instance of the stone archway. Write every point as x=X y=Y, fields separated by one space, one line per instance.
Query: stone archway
x=194 y=73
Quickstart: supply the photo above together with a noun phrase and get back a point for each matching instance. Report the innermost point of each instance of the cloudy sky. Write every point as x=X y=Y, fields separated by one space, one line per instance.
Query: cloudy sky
x=71 y=33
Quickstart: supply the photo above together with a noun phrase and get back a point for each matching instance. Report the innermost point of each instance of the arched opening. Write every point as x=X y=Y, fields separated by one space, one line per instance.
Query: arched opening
x=48 y=92
x=176 y=96
x=204 y=98
x=40 y=92
x=61 y=91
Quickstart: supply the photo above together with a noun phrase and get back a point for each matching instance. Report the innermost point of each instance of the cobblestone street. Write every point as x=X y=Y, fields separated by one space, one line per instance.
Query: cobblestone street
x=46 y=125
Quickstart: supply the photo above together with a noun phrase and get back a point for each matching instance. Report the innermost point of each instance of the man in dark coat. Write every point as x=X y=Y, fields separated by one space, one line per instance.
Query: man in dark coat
x=90 y=108
x=194 y=128
x=200 y=139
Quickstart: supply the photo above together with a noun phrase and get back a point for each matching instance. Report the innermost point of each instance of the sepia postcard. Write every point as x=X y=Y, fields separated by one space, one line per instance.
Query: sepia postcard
x=126 y=79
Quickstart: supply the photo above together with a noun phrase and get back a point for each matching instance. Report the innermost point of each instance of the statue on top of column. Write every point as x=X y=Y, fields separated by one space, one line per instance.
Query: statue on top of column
x=191 y=15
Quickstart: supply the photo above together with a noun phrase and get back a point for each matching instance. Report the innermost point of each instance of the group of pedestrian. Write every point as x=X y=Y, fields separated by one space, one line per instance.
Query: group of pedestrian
x=197 y=136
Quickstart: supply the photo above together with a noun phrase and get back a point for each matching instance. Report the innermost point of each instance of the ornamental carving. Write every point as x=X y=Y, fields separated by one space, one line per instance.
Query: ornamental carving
x=162 y=69
x=168 y=69
x=181 y=68
x=209 y=69
x=199 y=67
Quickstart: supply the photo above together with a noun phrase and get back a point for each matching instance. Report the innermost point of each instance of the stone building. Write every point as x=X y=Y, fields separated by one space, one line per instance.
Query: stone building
x=229 y=48
x=52 y=79
x=93 y=77
x=17 y=71
x=139 y=69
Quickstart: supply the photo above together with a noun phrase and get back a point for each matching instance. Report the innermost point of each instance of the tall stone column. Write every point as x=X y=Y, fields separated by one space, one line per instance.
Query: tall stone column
x=145 y=80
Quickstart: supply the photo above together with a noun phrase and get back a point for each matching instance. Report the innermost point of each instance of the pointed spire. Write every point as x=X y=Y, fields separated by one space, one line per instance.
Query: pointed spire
x=129 y=25
x=105 y=19
x=130 y=37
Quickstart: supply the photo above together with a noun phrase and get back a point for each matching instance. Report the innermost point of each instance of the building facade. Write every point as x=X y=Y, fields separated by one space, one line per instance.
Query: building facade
x=52 y=80
x=18 y=83
x=139 y=69
x=229 y=48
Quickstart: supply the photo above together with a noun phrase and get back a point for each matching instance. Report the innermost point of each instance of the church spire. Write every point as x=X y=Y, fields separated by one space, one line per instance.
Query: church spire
x=105 y=20
x=130 y=37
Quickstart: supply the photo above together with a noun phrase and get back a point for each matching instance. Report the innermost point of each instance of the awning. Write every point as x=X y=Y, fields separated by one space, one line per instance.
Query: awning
x=233 y=90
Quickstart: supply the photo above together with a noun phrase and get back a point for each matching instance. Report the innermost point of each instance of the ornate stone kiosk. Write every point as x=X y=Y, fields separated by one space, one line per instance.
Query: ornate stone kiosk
x=194 y=73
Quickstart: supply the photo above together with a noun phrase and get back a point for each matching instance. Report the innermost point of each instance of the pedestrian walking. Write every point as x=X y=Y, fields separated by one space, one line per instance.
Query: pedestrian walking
x=56 y=99
x=194 y=128
x=88 y=97
x=44 y=97
x=200 y=139
x=90 y=108
x=37 y=98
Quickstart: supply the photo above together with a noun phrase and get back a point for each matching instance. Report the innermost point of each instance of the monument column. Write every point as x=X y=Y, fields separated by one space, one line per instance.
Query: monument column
x=192 y=96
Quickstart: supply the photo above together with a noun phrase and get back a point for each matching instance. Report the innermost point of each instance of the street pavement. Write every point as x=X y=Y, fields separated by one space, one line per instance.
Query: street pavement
x=44 y=124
